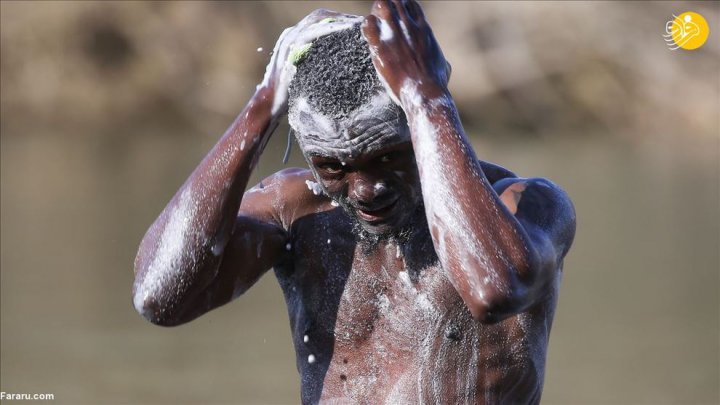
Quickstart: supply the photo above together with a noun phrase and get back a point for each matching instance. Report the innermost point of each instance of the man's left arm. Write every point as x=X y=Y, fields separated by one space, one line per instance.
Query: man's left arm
x=501 y=249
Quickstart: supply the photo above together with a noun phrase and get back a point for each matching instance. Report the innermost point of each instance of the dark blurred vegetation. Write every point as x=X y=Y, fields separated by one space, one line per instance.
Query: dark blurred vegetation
x=107 y=106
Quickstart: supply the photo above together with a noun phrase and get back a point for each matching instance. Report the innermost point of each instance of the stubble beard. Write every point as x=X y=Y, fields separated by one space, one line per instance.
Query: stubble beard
x=414 y=225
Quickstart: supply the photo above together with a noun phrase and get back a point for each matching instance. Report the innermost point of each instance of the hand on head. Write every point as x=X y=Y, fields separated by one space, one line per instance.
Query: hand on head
x=404 y=50
x=280 y=70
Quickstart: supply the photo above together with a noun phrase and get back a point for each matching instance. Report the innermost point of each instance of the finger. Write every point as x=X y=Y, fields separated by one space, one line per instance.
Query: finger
x=415 y=11
x=385 y=10
x=377 y=7
x=394 y=6
x=370 y=29
x=387 y=19
x=372 y=33
x=403 y=7
x=406 y=23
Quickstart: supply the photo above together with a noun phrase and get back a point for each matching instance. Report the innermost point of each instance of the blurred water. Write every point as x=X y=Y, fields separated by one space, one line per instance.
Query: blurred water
x=637 y=320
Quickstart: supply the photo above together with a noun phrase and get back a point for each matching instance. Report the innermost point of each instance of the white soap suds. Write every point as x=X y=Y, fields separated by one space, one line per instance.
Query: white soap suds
x=166 y=266
x=334 y=203
x=424 y=303
x=294 y=38
x=386 y=33
x=260 y=49
x=306 y=338
x=288 y=246
x=242 y=145
x=311 y=359
x=449 y=220
x=405 y=32
x=383 y=302
x=314 y=187
x=405 y=278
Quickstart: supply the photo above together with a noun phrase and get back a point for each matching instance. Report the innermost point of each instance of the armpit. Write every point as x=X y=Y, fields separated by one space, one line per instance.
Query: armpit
x=512 y=195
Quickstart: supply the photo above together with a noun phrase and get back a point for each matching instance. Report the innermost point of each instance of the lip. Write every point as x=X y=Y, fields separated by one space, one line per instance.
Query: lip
x=377 y=215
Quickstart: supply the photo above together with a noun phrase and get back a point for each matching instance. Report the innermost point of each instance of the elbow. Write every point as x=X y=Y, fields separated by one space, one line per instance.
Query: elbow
x=491 y=306
x=154 y=310
x=487 y=313
x=516 y=288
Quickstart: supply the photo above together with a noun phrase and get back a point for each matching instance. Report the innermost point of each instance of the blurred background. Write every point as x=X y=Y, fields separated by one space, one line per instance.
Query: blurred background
x=108 y=106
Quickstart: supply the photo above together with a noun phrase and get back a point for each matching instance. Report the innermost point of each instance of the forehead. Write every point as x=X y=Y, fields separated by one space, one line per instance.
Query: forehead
x=374 y=126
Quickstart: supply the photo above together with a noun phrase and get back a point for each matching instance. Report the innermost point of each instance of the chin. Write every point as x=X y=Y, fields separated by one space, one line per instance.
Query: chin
x=382 y=230
x=395 y=227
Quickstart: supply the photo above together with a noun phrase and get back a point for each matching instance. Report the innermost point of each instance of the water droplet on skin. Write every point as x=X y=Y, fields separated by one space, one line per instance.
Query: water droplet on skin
x=311 y=359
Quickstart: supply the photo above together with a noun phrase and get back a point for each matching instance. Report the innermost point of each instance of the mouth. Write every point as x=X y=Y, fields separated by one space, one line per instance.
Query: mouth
x=378 y=215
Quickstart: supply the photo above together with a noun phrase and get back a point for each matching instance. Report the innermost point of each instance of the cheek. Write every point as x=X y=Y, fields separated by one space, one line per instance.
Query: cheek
x=408 y=184
x=336 y=189
x=410 y=178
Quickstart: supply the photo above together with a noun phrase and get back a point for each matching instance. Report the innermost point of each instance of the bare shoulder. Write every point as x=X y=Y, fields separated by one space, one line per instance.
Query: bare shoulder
x=542 y=207
x=286 y=195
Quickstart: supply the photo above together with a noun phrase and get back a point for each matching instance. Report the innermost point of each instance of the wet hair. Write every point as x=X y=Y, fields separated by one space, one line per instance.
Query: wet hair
x=336 y=75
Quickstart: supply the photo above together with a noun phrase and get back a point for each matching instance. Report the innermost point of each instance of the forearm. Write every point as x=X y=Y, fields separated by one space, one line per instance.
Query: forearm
x=483 y=248
x=180 y=253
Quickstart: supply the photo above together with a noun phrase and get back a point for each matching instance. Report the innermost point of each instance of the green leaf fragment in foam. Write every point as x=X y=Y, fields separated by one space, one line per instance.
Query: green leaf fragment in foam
x=297 y=55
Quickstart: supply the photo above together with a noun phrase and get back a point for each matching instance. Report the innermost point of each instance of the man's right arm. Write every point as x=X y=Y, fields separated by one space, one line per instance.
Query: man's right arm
x=179 y=258
x=199 y=252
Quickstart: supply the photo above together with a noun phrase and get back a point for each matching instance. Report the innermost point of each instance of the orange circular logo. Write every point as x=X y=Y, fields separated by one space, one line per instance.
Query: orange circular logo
x=688 y=31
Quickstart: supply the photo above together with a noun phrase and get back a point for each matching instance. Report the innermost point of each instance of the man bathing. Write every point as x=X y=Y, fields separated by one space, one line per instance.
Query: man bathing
x=412 y=271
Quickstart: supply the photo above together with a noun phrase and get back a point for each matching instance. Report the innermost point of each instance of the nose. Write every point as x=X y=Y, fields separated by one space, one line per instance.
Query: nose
x=368 y=191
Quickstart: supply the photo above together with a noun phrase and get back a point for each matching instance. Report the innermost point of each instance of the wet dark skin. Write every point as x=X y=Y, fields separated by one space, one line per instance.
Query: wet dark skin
x=452 y=303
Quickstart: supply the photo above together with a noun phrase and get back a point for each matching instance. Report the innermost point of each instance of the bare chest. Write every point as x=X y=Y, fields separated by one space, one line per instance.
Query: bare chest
x=356 y=292
x=382 y=323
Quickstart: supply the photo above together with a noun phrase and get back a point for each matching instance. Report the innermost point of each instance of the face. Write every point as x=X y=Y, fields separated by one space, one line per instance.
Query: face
x=369 y=169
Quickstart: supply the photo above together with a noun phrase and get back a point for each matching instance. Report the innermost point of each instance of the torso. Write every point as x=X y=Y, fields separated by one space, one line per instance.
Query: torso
x=384 y=325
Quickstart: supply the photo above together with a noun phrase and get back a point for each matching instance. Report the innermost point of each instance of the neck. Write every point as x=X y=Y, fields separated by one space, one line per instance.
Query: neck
x=413 y=241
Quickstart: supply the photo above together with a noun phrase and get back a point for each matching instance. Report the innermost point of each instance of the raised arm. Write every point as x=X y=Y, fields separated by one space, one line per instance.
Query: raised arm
x=200 y=253
x=501 y=252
